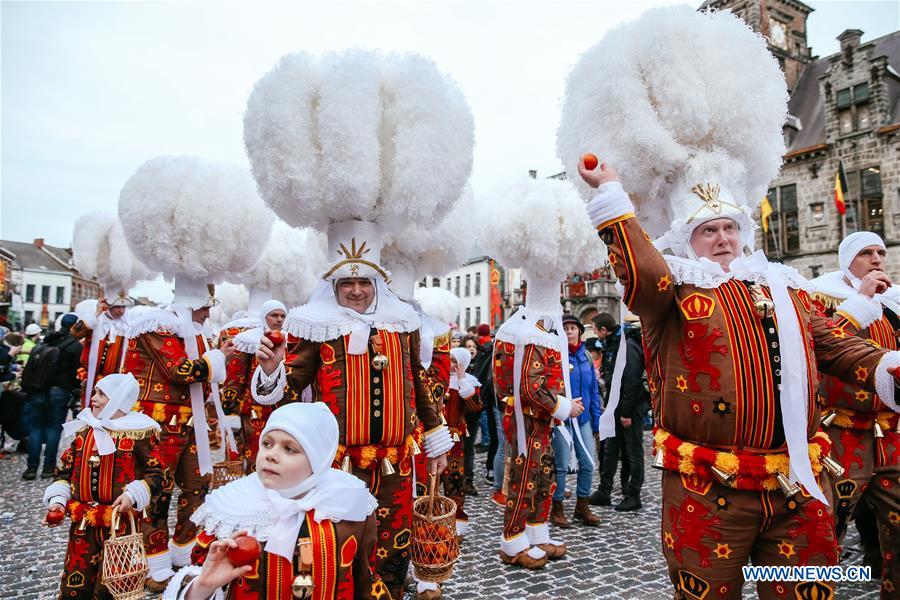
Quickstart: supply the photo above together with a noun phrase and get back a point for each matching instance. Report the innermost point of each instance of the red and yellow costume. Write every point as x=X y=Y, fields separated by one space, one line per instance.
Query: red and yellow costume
x=88 y=484
x=864 y=433
x=714 y=368
x=156 y=356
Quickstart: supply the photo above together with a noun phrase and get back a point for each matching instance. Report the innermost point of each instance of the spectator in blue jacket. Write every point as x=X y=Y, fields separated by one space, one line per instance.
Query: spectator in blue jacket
x=584 y=385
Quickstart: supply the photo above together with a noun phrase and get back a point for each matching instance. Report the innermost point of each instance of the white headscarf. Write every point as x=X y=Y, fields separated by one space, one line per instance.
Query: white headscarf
x=853 y=245
x=270 y=305
x=122 y=391
x=333 y=494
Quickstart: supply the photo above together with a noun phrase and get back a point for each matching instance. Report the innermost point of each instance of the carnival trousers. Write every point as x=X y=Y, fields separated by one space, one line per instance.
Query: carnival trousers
x=531 y=481
x=871 y=475
x=83 y=564
x=710 y=531
x=178 y=451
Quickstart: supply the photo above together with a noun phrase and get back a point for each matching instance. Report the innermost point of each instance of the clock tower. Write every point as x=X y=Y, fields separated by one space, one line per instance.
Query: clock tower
x=782 y=22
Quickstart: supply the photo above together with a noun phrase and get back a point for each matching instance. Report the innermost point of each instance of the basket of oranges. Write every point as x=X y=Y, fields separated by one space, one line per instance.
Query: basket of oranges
x=435 y=548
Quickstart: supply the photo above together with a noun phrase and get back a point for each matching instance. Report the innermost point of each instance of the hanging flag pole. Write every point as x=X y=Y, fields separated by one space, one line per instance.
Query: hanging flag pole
x=840 y=192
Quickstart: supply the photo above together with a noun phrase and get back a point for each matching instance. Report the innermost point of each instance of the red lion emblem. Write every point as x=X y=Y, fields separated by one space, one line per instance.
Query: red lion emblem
x=696 y=349
x=691 y=522
x=818 y=528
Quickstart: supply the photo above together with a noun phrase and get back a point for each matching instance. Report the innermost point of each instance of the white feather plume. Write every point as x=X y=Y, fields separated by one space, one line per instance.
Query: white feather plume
x=358 y=135
x=541 y=226
x=99 y=250
x=677 y=95
x=200 y=218
x=434 y=249
x=290 y=265
x=439 y=303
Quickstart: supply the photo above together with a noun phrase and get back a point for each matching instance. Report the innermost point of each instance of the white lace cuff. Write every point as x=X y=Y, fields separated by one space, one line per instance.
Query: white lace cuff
x=139 y=492
x=563 y=408
x=438 y=441
x=268 y=389
x=466 y=389
x=216 y=360
x=57 y=492
x=860 y=309
x=885 y=383
x=610 y=204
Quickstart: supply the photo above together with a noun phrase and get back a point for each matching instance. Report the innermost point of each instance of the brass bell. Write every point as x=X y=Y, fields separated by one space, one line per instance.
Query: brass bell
x=83 y=525
x=253 y=414
x=828 y=419
x=834 y=468
x=764 y=306
x=455 y=437
x=173 y=421
x=190 y=422
x=387 y=468
x=302 y=587
x=787 y=488
x=415 y=449
x=878 y=433
x=94 y=460
x=380 y=362
x=443 y=419
x=346 y=465
x=658 y=460
x=723 y=477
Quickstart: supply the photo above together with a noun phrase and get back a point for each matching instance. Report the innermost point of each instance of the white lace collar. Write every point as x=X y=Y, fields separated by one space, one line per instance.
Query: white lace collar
x=707 y=274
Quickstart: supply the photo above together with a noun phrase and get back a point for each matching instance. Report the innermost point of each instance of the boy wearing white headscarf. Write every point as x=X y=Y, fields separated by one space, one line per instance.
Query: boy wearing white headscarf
x=316 y=524
x=242 y=413
x=463 y=398
x=863 y=303
x=113 y=462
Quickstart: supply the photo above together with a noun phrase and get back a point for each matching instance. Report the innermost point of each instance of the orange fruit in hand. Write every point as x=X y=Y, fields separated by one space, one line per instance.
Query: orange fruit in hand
x=590 y=161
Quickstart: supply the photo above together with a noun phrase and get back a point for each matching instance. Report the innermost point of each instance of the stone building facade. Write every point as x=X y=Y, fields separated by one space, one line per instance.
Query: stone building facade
x=844 y=108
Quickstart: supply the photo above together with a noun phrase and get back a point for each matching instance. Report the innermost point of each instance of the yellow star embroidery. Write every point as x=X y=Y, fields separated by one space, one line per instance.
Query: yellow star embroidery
x=862 y=395
x=786 y=549
x=669 y=539
x=838 y=333
x=157 y=387
x=861 y=373
x=382 y=553
x=894 y=518
x=652 y=385
x=681 y=383
x=663 y=284
x=723 y=551
x=612 y=259
x=888 y=585
x=384 y=512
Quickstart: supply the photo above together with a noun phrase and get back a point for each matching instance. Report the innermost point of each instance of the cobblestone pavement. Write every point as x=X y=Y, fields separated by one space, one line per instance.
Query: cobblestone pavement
x=620 y=559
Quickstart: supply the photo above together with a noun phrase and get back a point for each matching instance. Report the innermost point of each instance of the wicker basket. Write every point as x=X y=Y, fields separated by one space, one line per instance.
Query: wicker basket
x=435 y=548
x=225 y=472
x=124 y=562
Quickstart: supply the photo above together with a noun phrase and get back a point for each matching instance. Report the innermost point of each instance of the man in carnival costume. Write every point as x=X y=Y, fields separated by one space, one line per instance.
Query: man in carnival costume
x=862 y=302
x=734 y=342
x=365 y=171
x=99 y=250
x=357 y=344
x=539 y=225
x=170 y=349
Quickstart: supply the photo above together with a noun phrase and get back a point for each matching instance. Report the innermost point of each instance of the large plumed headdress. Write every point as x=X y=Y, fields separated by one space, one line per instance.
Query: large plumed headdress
x=355 y=138
x=541 y=226
x=99 y=250
x=194 y=220
x=688 y=107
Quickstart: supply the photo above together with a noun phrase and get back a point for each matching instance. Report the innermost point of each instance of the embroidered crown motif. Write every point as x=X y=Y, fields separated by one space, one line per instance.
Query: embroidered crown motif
x=709 y=193
x=354 y=252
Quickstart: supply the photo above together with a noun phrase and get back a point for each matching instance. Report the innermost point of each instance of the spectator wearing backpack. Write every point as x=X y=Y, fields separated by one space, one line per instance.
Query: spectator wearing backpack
x=49 y=378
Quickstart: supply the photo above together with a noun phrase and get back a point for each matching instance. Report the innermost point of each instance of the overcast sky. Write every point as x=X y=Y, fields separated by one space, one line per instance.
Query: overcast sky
x=90 y=91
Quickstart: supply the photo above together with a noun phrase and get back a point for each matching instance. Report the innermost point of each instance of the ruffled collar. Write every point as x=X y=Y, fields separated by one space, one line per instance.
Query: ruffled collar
x=166 y=321
x=834 y=285
x=705 y=273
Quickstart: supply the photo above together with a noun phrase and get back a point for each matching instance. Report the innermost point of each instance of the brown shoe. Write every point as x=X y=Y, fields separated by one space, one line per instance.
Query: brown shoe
x=554 y=551
x=558 y=516
x=430 y=594
x=522 y=559
x=583 y=513
x=157 y=587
